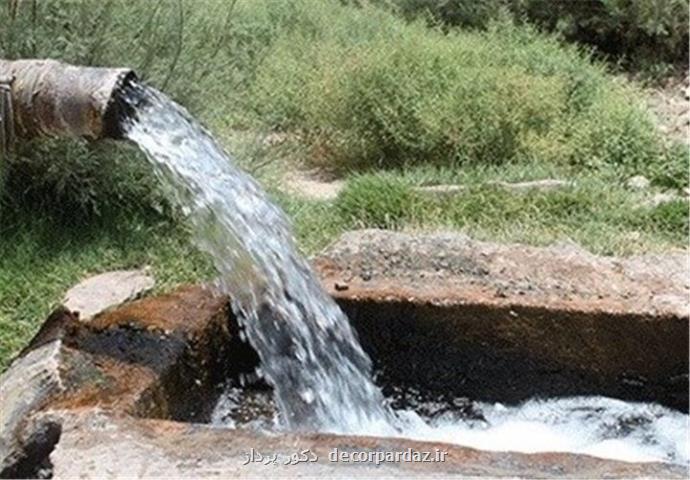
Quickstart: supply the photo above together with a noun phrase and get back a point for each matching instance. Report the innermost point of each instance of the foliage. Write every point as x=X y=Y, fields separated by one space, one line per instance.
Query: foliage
x=641 y=33
x=66 y=177
x=361 y=88
x=357 y=87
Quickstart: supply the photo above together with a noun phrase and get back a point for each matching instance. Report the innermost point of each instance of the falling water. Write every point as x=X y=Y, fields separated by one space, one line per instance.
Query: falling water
x=308 y=350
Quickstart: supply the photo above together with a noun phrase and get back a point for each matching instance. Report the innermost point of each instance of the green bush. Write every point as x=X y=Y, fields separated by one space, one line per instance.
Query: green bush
x=363 y=88
x=639 y=33
x=671 y=217
x=180 y=47
x=73 y=178
x=672 y=170
x=463 y=13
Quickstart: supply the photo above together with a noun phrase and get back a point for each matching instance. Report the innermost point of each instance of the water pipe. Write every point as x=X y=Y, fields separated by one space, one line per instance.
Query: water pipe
x=55 y=99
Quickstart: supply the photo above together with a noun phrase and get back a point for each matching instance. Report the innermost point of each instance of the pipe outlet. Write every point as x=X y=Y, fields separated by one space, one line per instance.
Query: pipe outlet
x=55 y=99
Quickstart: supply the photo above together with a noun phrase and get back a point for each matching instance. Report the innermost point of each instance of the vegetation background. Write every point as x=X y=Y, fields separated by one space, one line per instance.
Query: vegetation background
x=387 y=95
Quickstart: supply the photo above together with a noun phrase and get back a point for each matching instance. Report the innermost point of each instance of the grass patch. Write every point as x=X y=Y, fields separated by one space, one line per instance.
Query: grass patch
x=599 y=215
x=40 y=258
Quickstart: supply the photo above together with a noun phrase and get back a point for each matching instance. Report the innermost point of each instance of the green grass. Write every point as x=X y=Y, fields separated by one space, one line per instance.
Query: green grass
x=595 y=212
x=41 y=257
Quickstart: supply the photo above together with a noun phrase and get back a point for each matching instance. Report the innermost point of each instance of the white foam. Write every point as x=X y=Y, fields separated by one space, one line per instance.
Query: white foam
x=597 y=426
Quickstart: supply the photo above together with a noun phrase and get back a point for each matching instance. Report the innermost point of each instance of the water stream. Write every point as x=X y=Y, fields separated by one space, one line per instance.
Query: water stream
x=308 y=350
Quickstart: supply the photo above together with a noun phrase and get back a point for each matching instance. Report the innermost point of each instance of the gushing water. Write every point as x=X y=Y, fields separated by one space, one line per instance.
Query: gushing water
x=308 y=350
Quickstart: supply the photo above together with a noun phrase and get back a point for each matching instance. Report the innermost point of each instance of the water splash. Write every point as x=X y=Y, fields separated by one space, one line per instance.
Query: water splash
x=308 y=350
x=598 y=426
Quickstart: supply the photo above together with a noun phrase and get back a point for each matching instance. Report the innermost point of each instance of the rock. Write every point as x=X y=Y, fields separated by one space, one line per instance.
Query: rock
x=163 y=357
x=557 y=320
x=168 y=343
x=25 y=386
x=37 y=435
x=449 y=190
x=638 y=182
x=474 y=266
x=101 y=292
x=546 y=184
x=33 y=379
x=659 y=199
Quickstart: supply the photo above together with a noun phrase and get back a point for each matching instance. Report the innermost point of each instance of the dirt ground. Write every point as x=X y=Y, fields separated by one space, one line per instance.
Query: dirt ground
x=670 y=103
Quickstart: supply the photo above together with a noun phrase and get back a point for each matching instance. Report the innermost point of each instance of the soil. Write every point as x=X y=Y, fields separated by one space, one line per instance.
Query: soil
x=670 y=103
x=312 y=184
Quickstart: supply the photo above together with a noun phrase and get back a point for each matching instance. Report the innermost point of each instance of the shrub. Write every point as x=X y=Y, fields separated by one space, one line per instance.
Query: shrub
x=474 y=14
x=637 y=32
x=365 y=88
x=72 y=178
x=671 y=217
x=672 y=170
x=176 y=46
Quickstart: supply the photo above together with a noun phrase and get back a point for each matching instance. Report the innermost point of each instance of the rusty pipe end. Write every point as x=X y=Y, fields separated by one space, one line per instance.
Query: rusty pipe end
x=55 y=99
